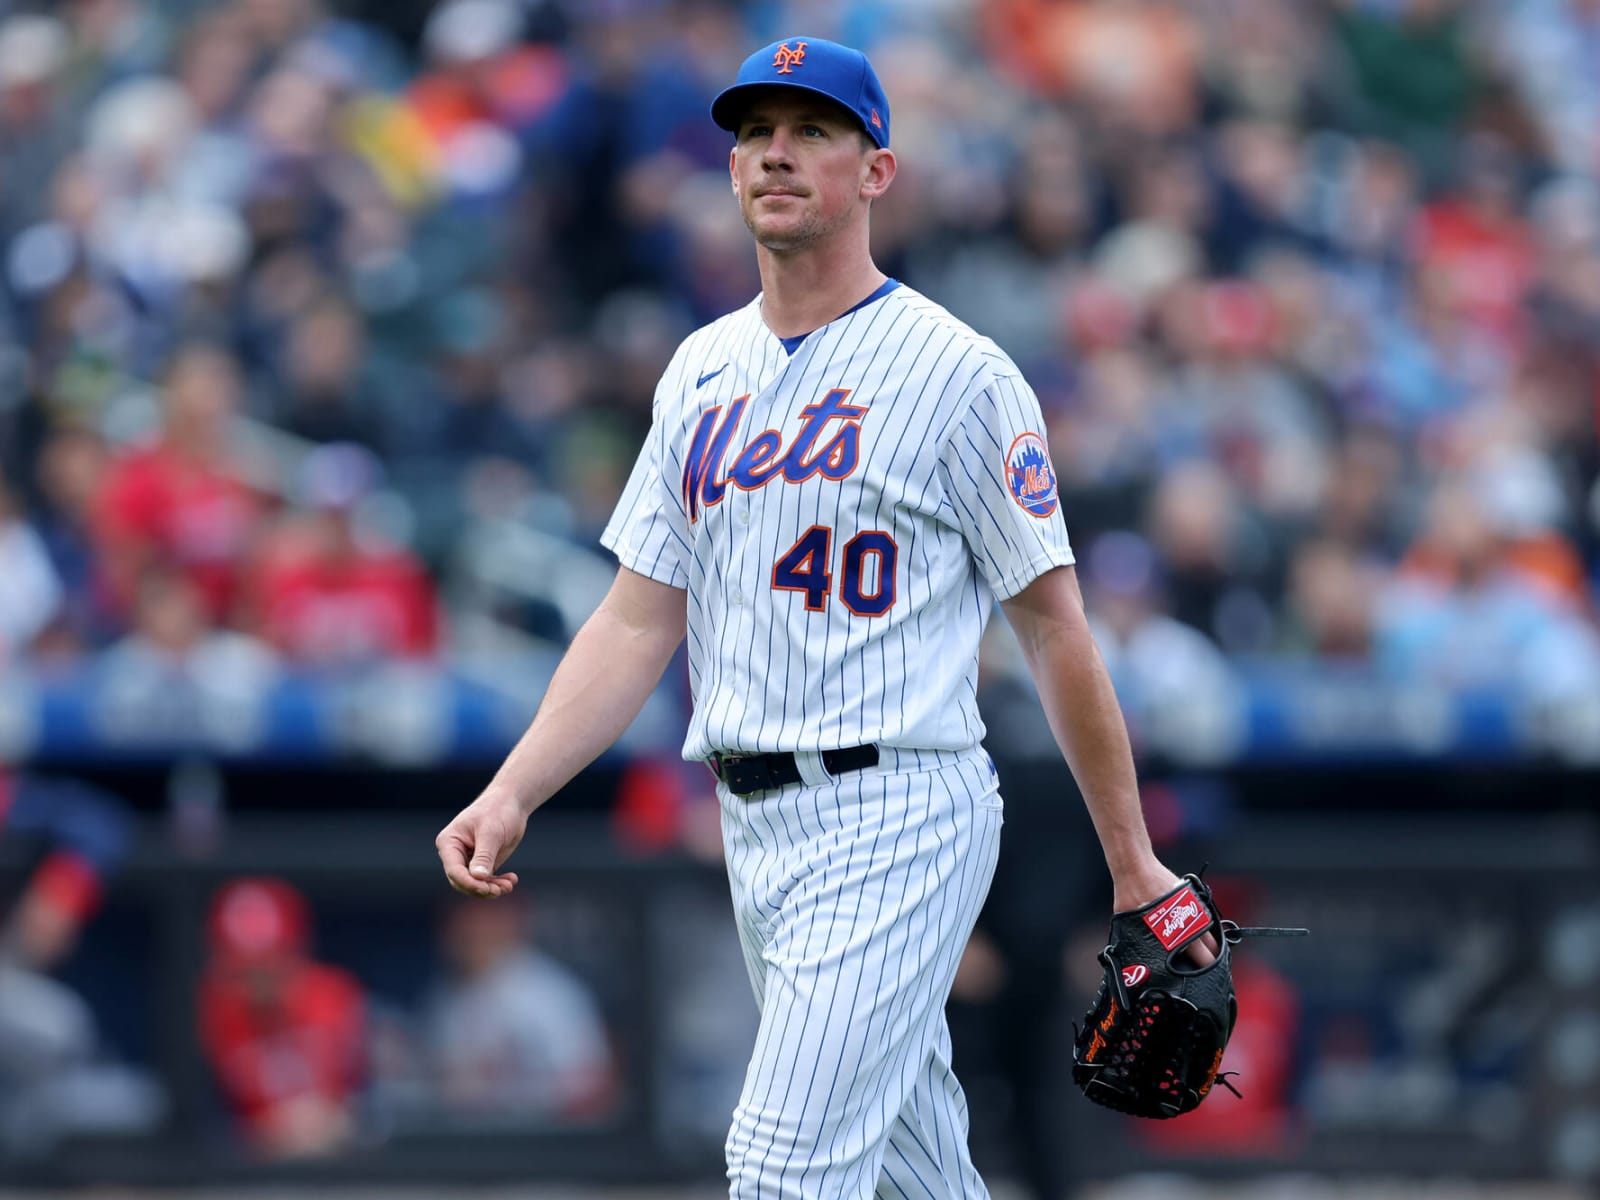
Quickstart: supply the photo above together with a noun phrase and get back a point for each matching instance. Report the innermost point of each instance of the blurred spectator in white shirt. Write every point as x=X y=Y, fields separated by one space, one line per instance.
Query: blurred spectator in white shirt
x=177 y=675
x=513 y=1035
x=31 y=594
x=1183 y=696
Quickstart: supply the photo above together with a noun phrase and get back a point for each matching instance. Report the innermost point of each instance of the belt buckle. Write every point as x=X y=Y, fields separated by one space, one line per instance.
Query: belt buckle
x=742 y=783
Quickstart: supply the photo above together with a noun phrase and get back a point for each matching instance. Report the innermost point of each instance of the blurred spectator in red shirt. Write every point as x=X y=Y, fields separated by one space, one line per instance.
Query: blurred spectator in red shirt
x=327 y=591
x=1478 y=239
x=85 y=833
x=184 y=499
x=284 y=1034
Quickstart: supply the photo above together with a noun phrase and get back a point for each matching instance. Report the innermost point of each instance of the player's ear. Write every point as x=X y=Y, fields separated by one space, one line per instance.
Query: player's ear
x=733 y=172
x=880 y=169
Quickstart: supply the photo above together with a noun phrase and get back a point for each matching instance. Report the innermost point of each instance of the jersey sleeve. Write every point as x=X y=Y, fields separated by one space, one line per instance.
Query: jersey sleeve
x=997 y=475
x=648 y=532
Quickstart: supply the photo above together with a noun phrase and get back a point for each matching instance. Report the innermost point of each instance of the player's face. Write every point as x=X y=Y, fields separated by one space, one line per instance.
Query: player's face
x=803 y=170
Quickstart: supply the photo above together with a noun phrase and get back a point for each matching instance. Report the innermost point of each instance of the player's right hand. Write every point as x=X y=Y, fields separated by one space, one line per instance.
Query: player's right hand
x=482 y=836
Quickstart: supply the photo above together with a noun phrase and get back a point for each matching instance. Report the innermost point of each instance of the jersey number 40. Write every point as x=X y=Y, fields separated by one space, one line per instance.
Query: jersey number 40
x=868 y=560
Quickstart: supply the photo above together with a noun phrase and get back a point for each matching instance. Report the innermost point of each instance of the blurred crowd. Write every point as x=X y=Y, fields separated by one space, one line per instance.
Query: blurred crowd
x=294 y=291
x=303 y=1057
x=307 y=1059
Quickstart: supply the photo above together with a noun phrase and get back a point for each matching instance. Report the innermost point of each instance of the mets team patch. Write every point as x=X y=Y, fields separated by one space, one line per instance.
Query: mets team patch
x=1030 y=476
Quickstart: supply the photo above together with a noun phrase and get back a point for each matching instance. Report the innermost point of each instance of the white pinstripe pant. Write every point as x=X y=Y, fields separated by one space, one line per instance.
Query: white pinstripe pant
x=854 y=899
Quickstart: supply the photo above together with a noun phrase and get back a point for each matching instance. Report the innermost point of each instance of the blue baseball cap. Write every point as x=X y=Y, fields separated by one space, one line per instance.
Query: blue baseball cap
x=814 y=65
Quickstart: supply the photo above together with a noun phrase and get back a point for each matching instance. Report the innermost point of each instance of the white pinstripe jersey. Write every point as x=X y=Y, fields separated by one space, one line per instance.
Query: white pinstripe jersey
x=843 y=518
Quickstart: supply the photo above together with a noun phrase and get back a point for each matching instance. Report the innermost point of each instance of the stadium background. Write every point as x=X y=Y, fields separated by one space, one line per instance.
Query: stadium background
x=327 y=335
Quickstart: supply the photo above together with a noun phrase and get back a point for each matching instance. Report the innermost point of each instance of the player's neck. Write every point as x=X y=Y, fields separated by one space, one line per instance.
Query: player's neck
x=804 y=291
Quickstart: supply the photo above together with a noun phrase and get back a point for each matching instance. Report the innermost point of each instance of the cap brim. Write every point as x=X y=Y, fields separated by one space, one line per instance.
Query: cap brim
x=728 y=108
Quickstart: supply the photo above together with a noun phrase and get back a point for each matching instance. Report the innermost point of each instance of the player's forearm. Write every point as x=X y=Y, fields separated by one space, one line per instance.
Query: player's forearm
x=1082 y=709
x=602 y=682
x=1081 y=706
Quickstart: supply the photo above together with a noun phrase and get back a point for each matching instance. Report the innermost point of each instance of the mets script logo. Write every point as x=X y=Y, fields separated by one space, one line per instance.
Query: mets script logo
x=1030 y=476
x=786 y=60
x=767 y=457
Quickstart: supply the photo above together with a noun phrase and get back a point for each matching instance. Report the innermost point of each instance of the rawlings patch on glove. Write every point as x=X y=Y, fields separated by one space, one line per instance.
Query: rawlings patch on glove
x=1152 y=1042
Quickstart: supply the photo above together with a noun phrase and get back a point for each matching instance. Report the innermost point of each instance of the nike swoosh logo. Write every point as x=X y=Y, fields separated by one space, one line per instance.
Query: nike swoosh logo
x=705 y=379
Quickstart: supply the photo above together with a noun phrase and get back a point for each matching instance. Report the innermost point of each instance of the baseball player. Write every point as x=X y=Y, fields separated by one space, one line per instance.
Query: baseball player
x=839 y=481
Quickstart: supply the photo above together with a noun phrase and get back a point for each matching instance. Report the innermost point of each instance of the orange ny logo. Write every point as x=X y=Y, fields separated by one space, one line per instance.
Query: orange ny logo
x=786 y=59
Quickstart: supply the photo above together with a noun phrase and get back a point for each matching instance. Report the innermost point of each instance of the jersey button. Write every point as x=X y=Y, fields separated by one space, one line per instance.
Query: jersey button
x=738 y=599
x=744 y=516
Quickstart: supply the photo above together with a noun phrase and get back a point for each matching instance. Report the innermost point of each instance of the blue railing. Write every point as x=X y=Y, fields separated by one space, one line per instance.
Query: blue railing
x=426 y=715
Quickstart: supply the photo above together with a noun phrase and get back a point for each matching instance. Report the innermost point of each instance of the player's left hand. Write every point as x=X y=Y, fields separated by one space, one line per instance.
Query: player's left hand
x=482 y=837
x=1149 y=881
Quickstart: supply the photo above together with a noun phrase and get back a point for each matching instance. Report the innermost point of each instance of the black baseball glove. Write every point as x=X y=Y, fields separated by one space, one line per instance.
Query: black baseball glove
x=1153 y=1040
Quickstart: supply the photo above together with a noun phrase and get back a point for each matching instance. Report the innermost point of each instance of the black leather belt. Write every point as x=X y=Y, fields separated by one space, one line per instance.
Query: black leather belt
x=747 y=773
